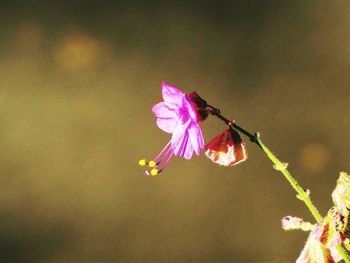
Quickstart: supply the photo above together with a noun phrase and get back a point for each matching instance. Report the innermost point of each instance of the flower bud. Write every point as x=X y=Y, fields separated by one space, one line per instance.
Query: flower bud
x=226 y=149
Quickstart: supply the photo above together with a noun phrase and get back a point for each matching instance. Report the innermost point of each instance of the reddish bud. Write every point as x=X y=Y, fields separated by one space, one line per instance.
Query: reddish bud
x=226 y=149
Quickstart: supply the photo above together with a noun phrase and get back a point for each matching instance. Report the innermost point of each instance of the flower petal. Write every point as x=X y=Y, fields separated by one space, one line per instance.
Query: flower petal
x=164 y=110
x=167 y=125
x=180 y=147
x=180 y=138
x=226 y=149
x=321 y=245
x=314 y=251
x=196 y=137
x=172 y=95
x=167 y=116
x=188 y=150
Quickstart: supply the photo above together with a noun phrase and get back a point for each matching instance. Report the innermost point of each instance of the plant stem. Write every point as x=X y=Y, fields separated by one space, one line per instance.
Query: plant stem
x=303 y=195
x=343 y=253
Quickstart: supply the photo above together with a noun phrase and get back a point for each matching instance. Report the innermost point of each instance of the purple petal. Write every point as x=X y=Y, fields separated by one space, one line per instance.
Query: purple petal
x=196 y=137
x=172 y=95
x=178 y=145
x=167 y=116
x=181 y=147
x=180 y=138
x=167 y=125
x=164 y=110
x=188 y=151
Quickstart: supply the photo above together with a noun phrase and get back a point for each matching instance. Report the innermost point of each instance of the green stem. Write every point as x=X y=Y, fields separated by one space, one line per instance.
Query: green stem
x=343 y=253
x=302 y=194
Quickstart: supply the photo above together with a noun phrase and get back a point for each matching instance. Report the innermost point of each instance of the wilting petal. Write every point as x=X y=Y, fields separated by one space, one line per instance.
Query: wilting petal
x=226 y=149
x=239 y=148
x=315 y=252
x=321 y=245
x=172 y=95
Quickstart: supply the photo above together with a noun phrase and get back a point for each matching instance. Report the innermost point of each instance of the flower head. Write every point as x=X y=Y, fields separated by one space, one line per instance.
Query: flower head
x=226 y=149
x=178 y=115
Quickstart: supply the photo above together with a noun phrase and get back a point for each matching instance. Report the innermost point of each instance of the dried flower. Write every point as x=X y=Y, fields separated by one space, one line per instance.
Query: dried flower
x=321 y=245
x=226 y=149
x=334 y=229
x=179 y=115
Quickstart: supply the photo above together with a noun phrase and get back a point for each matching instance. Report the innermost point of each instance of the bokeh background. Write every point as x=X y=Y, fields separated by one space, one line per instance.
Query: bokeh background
x=77 y=83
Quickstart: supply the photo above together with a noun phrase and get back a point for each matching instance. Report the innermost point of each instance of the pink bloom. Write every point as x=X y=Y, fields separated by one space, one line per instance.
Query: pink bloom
x=226 y=149
x=179 y=115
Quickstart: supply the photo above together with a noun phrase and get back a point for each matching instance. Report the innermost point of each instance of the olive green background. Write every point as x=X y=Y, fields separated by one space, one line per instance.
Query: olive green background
x=77 y=83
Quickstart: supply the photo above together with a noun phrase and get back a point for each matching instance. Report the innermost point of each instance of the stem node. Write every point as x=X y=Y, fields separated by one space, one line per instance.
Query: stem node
x=280 y=166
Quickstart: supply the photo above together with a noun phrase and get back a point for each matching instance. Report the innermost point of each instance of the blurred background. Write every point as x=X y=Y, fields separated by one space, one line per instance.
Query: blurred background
x=77 y=83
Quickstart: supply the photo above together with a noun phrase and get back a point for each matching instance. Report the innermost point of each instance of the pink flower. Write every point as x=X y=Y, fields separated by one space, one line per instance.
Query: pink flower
x=226 y=149
x=178 y=115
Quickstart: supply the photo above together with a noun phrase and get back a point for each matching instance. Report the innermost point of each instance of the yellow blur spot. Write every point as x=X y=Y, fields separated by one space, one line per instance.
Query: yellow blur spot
x=154 y=172
x=142 y=162
x=152 y=164
x=78 y=51
x=314 y=157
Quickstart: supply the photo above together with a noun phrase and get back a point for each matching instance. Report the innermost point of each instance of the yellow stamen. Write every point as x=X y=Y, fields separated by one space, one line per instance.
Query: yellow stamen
x=154 y=172
x=142 y=162
x=152 y=164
